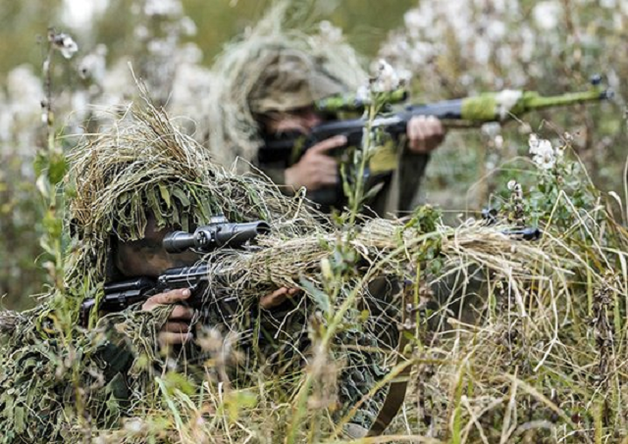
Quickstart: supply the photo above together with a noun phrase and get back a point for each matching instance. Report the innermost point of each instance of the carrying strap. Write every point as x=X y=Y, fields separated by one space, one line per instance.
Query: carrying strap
x=397 y=390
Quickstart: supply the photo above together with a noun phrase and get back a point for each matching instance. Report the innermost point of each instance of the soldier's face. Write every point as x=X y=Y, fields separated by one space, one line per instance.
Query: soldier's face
x=299 y=119
x=147 y=257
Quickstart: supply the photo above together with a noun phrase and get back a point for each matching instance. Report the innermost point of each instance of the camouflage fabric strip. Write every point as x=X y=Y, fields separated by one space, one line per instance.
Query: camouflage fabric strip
x=397 y=391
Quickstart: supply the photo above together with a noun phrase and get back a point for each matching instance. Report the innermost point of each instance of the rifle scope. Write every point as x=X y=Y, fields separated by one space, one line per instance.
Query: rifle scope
x=219 y=233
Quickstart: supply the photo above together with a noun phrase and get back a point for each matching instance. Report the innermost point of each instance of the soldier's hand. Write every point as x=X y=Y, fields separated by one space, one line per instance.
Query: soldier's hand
x=177 y=329
x=316 y=169
x=277 y=297
x=424 y=134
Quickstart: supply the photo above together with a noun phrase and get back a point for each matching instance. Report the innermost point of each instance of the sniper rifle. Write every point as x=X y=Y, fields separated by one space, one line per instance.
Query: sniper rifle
x=218 y=233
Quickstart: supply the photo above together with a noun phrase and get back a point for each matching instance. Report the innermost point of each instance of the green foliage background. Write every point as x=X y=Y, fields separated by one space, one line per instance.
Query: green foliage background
x=366 y=22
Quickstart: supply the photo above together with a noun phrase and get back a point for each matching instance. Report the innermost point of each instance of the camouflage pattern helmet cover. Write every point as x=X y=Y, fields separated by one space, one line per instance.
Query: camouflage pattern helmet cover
x=143 y=165
x=291 y=79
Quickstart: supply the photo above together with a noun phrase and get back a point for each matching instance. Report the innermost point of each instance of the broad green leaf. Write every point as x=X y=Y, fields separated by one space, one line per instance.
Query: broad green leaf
x=181 y=196
x=319 y=297
x=57 y=168
x=165 y=194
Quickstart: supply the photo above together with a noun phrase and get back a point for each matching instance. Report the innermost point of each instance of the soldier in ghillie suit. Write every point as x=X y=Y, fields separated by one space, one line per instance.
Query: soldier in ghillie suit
x=266 y=86
x=65 y=382
x=129 y=187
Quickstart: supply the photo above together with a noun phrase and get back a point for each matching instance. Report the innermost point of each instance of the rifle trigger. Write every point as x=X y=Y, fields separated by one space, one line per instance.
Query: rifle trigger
x=194 y=288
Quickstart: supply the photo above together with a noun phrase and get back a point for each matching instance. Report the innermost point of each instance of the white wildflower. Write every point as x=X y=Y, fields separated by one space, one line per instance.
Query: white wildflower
x=141 y=32
x=505 y=55
x=546 y=14
x=413 y=19
x=387 y=79
x=528 y=43
x=80 y=104
x=481 y=51
x=420 y=53
x=542 y=151
x=362 y=94
x=163 y=8
x=496 y=30
x=568 y=137
x=499 y=142
x=171 y=364
x=24 y=92
x=190 y=53
x=533 y=143
x=545 y=161
x=188 y=27
x=330 y=32
x=81 y=13
x=512 y=184
x=159 y=47
x=190 y=90
x=539 y=147
x=134 y=425
x=466 y=79
x=506 y=100
x=93 y=65
x=63 y=43
x=491 y=129
x=405 y=75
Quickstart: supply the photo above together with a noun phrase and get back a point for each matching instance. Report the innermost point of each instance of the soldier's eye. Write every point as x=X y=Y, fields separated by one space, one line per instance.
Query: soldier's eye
x=302 y=112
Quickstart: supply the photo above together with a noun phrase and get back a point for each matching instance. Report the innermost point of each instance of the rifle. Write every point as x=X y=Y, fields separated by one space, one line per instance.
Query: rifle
x=218 y=233
x=467 y=112
x=287 y=148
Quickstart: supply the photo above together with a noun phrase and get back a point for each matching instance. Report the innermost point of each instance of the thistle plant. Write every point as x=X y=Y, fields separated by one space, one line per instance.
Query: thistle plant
x=354 y=173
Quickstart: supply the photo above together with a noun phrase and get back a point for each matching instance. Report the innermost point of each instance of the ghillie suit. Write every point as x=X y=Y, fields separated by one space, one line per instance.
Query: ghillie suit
x=63 y=382
x=275 y=68
x=546 y=353
x=143 y=165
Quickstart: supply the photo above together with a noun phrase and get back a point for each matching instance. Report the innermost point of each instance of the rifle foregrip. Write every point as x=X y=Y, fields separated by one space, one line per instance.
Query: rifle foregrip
x=118 y=296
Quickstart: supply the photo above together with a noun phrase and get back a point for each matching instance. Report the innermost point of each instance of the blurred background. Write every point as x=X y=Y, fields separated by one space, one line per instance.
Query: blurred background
x=114 y=23
x=450 y=49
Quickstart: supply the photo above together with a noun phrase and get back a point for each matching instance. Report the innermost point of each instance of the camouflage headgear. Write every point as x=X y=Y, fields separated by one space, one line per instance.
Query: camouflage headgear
x=274 y=67
x=290 y=79
x=144 y=165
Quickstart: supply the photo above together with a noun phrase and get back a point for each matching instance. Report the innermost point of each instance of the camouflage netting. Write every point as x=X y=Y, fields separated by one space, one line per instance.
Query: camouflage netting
x=249 y=78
